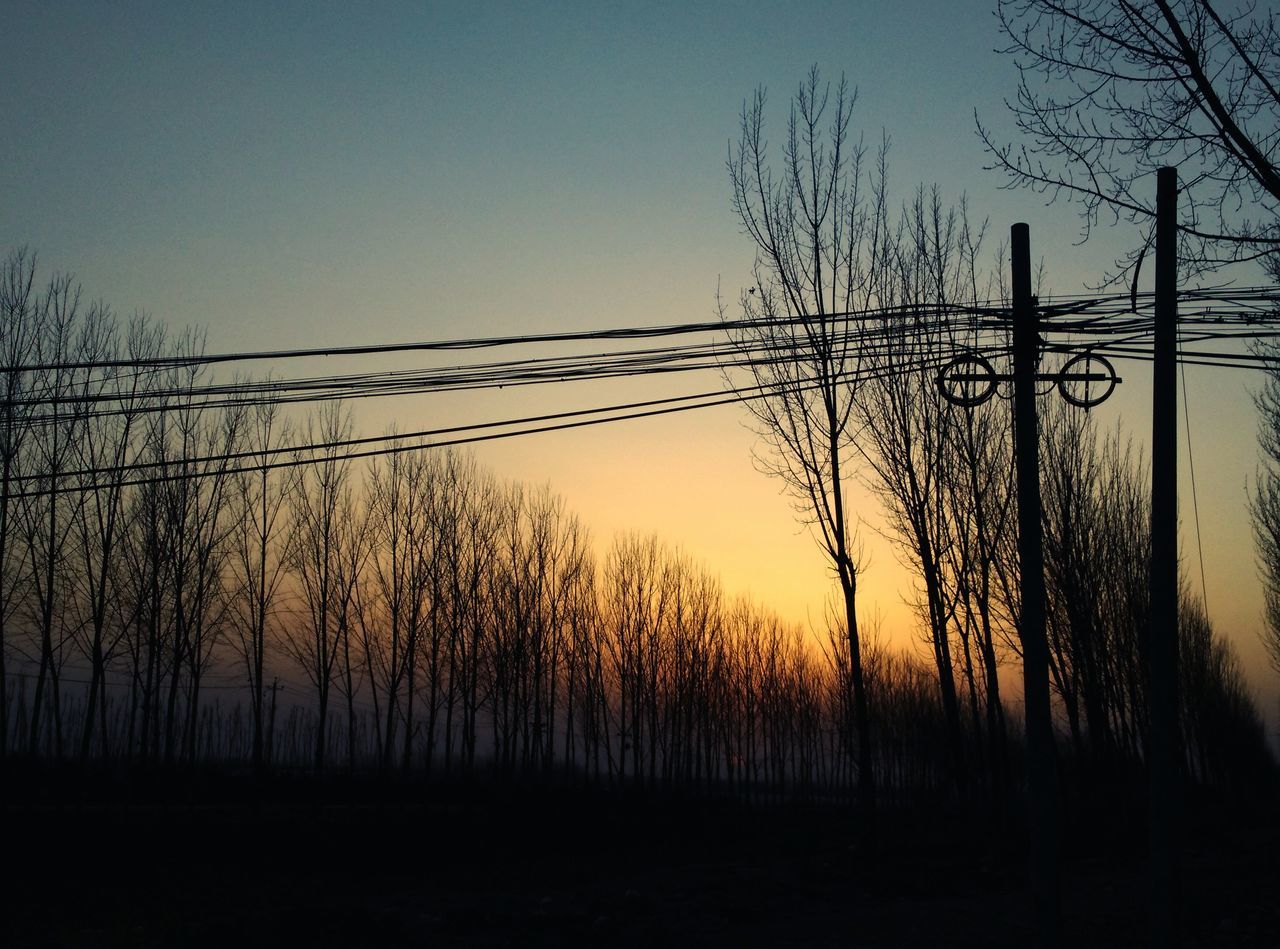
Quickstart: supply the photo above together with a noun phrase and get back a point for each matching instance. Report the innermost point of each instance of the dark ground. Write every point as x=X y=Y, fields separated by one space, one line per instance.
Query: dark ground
x=95 y=860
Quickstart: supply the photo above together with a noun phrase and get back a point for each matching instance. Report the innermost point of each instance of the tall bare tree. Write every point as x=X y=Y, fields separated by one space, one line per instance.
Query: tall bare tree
x=816 y=237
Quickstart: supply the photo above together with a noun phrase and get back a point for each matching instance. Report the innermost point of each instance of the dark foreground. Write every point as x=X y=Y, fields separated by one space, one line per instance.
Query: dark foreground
x=205 y=860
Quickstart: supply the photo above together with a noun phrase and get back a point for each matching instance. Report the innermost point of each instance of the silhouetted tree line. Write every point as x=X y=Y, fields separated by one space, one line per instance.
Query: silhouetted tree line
x=419 y=614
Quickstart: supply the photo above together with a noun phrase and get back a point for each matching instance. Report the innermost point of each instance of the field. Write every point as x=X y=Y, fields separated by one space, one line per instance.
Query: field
x=207 y=859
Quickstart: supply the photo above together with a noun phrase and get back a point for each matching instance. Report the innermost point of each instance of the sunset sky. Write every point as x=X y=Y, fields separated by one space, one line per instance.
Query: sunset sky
x=311 y=174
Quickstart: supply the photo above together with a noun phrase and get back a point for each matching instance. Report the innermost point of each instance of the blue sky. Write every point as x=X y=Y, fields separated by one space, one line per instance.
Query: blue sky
x=301 y=174
x=257 y=167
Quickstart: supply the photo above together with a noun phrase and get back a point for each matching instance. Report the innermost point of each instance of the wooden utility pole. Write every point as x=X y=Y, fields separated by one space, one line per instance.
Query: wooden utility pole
x=1042 y=780
x=1162 y=637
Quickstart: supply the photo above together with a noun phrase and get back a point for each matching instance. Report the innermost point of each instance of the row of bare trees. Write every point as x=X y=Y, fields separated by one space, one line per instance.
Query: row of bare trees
x=171 y=569
x=94 y=568
x=165 y=560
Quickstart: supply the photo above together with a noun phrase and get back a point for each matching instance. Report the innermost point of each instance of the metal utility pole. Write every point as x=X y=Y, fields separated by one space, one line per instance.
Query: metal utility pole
x=1042 y=781
x=1162 y=637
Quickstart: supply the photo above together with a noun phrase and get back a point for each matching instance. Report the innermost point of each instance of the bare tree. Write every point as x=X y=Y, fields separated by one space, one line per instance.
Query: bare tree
x=1110 y=90
x=394 y=613
x=48 y=513
x=980 y=493
x=1224 y=735
x=114 y=398
x=20 y=330
x=322 y=508
x=467 y=528
x=1264 y=505
x=195 y=445
x=538 y=576
x=142 y=606
x=814 y=236
x=920 y=454
x=259 y=556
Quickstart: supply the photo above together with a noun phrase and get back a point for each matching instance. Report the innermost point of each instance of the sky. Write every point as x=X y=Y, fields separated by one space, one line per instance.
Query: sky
x=309 y=174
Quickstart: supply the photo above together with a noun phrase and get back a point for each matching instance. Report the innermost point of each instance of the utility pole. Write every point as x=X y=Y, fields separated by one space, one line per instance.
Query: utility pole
x=1162 y=637
x=1084 y=381
x=1042 y=780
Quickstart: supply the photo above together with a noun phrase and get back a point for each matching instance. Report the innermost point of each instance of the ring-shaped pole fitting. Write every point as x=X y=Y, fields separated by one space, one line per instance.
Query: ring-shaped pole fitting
x=1087 y=368
x=968 y=380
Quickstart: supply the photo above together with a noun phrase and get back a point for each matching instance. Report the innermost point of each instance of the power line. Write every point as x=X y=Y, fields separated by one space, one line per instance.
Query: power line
x=1262 y=300
x=1105 y=325
x=491 y=342
x=216 y=465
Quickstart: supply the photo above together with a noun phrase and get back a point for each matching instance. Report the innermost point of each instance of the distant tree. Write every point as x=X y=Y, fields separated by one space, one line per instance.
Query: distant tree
x=259 y=558
x=1096 y=523
x=116 y=398
x=1110 y=90
x=143 y=607
x=468 y=515
x=49 y=510
x=20 y=330
x=557 y=564
x=1097 y=519
x=323 y=511
x=197 y=497
x=394 y=608
x=638 y=581
x=1224 y=735
x=1264 y=504
x=697 y=624
x=351 y=558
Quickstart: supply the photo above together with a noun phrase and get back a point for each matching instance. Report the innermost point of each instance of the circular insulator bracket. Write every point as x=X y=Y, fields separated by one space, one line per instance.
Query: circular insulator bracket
x=967 y=380
x=1087 y=380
